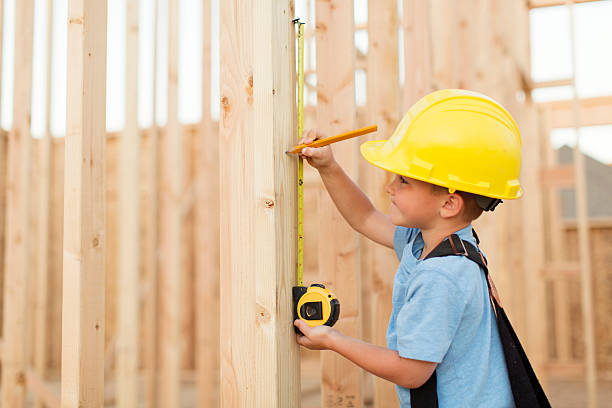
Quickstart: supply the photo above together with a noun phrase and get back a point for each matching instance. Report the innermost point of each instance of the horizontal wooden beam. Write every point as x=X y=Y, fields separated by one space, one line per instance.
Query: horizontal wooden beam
x=561 y=270
x=593 y=112
x=565 y=370
x=558 y=176
x=594 y=222
x=553 y=3
x=553 y=83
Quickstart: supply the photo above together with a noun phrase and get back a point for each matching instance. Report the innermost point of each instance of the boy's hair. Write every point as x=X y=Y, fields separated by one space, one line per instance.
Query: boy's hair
x=471 y=209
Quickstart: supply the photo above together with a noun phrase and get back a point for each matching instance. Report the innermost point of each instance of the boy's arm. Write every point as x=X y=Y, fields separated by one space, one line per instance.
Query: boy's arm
x=355 y=206
x=380 y=361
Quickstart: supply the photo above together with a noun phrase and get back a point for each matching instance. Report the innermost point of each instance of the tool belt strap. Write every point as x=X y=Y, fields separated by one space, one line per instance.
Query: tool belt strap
x=526 y=389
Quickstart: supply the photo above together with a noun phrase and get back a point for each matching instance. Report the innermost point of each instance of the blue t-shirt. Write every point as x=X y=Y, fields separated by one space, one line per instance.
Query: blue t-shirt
x=442 y=313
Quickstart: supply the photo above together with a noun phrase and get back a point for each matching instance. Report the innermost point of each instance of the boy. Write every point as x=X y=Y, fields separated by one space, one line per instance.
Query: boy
x=454 y=154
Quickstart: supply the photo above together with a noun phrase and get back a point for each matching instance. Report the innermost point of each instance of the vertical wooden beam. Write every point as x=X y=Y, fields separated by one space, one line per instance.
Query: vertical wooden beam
x=443 y=52
x=84 y=207
x=561 y=301
x=259 y=355
x=207 y=237
x=418 y=78
x=150 y=260
x=338 y=245
x=535 y=338
x=3 y=168
x=44 y=216
x=128 y=332
x=383 y=99
x=17 y=266
x=586 y=278
x=171 y=271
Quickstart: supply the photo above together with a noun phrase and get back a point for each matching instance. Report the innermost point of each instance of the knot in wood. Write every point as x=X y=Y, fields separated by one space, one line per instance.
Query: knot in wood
x=20 y=379
x=263 y=316
x=269 y=203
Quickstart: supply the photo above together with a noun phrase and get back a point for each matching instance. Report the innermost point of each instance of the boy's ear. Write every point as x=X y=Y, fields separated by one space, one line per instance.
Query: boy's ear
x=452 y=206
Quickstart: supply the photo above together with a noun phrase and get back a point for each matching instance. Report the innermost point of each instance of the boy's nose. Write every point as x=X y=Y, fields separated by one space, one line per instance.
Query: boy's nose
x=388 y=188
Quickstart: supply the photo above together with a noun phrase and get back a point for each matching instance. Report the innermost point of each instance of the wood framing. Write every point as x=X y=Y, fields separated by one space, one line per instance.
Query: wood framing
x=554 y=3
x=18 y=265
x=535 y=338
x=378 y=264
x=171 y=248
x=83 y=320
x=128 y=278
x=593 y=112
x=417 y=32
x=45 y=394
x=150 y=256
x=561 y=303
x=558 y=176
x=3 y=168
x=44 y=224
x=339 y=264
x=207 y=237
x=443 y=58
x=259 y=355
x=584 y=255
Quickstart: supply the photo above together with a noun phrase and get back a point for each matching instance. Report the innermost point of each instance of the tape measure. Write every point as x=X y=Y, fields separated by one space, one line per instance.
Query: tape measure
x=315 y=304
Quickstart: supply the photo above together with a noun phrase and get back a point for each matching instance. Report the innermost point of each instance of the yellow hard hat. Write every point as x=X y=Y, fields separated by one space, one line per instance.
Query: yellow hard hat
x=457 y=139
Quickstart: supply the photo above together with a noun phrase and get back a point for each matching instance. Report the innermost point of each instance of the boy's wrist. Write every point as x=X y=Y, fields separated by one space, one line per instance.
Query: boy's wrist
x=324 y=170
x=334 y=339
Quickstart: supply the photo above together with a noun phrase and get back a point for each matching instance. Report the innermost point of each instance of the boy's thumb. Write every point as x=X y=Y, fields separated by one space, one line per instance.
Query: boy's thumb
x=301 y=325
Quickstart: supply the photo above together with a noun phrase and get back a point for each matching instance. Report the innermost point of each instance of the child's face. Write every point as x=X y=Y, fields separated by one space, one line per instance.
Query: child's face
x=413 y=202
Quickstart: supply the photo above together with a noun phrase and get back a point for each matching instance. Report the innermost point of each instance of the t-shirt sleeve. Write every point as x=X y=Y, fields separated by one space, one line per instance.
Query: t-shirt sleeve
x=428 y=321
x=401 y=238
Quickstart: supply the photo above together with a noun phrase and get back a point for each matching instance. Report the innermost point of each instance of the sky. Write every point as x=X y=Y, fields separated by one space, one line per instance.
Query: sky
x=550 y=56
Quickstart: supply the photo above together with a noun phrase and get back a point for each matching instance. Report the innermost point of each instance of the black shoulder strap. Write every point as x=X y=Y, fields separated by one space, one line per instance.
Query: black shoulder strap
x=526 y=388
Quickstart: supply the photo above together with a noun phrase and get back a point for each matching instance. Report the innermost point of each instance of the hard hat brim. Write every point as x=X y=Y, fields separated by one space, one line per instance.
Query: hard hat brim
x=376 y=152
x=372 y=151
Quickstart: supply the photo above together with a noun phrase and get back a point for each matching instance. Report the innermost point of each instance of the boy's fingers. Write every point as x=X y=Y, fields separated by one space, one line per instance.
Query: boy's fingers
x=308 y=136
x=304 y=328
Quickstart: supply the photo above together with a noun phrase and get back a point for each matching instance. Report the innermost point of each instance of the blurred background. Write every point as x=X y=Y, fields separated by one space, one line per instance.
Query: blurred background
x=546 y=61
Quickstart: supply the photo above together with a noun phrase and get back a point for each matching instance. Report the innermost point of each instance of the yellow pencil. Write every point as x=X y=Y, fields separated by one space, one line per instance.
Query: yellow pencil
x=334 y=139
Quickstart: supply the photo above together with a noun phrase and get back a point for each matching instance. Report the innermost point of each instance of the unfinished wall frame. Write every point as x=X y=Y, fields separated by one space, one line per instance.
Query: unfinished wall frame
x=142 y=206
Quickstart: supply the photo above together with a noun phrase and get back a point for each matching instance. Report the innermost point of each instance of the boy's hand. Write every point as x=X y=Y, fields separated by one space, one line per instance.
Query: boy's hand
x=318 y=157
x=314 y=338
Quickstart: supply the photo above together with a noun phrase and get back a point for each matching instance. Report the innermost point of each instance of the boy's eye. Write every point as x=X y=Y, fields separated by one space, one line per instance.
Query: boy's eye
x=403 y=180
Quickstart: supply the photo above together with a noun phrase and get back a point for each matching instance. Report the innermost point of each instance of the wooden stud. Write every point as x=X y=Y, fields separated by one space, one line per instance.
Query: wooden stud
x=339 y=265
x=207 y=238
x=128 y=315
x=535 y=340
x=588 y=319
x=3 y=170
x=443 y=59
x=171 y=270
x=259 y=355
x=150 y=260
x=44 y=213
x=378 y=264
x=417 y=52
x=17 y=255
x=561 y=301
x=83 y=320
